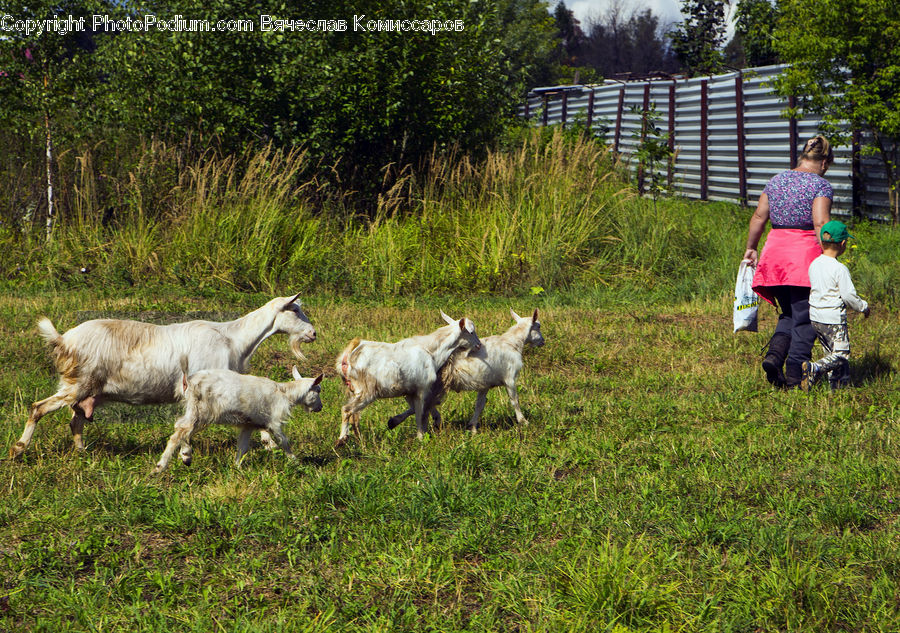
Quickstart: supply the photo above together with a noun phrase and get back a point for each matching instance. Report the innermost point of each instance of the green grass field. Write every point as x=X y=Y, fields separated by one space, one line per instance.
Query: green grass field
x=661 y=485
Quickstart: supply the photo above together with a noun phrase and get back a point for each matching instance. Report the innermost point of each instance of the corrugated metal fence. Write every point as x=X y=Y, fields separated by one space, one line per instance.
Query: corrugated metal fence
x=728 y=132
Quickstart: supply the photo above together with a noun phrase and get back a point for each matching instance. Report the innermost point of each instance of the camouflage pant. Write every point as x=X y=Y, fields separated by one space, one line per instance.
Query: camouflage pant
x=835 y=340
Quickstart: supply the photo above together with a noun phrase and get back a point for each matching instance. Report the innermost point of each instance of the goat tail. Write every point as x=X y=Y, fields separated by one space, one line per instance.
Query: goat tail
x=48 y=332
x=343 y=361
x=63 y=358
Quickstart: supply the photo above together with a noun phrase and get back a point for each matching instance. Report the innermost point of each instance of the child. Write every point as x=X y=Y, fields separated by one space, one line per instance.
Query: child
x=831 y=291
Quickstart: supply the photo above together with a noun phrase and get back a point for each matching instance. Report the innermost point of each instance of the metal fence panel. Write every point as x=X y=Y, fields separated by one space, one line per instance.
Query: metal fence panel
x=707 y=161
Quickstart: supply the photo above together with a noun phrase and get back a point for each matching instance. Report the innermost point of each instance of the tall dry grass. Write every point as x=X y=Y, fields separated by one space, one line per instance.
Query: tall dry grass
x=552 y=213
x=513 y=220
x=246 y=221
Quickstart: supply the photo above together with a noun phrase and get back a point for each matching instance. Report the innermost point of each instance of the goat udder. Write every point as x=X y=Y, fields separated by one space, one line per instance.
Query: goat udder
x=87 y=406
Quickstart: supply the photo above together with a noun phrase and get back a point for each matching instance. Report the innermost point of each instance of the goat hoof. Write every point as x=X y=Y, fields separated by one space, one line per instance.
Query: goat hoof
x=393 y=423
x=341 y=441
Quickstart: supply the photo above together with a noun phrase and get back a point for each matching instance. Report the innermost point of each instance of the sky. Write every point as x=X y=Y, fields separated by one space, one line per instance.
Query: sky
x=668 y=11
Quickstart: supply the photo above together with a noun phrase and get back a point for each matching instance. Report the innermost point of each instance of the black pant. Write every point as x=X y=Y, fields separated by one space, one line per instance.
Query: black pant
x=793 y=301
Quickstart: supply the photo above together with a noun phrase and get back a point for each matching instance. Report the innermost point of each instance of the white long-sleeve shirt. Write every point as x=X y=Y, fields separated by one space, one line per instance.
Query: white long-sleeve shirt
x=831 y=291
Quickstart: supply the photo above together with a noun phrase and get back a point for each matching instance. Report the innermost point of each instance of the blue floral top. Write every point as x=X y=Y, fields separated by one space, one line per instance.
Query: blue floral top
x=791 y=194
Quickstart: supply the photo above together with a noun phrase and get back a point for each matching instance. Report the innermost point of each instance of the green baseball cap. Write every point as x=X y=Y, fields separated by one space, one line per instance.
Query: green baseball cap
x=836 y=232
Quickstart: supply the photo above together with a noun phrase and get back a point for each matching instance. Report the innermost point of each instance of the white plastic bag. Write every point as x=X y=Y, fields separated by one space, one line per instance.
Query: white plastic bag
x=746 y=302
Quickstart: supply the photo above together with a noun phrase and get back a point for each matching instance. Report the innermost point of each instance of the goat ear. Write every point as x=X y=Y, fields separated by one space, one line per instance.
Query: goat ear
x=462 y=324
x=295 y=373
x=318 y=379
x=288 y=304
x=534 y=316
x=514 y=315
x=446 y=318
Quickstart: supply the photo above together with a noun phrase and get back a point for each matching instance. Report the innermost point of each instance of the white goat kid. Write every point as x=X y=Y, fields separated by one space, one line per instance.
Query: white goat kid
x=221 y=396
x=496 y=364
x=373 y=370
x=112 y=360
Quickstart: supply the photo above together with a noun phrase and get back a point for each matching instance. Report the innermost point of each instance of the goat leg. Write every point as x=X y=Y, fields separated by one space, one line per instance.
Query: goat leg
x=513 y=394
x=176 y=440
x=480 y=401
x=38 y=410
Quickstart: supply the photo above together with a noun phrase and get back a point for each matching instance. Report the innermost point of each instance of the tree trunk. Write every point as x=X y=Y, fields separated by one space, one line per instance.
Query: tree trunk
x=891 y=174
x=895 y=208
x=888 y=160
x=49 y=176
x=49 y=148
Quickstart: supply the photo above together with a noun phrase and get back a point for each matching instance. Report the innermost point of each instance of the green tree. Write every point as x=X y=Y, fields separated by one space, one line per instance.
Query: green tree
x=364 y=102
x=527 y=39
x=652 y=151
x=844 y=58
x=45 y=73
x=362 y=98
x=570 y=50
x=754 y=27
x=697 y=41
x=628 y=43
x=570 y=36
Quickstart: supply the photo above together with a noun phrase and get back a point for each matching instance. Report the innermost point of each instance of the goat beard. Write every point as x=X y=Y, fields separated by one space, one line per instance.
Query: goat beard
x=295 y=347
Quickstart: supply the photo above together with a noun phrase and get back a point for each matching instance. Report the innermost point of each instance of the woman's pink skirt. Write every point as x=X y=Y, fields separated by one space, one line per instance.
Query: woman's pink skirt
x=785 y=260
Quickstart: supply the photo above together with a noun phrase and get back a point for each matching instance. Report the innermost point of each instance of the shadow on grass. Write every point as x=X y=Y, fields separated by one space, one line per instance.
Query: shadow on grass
x=207 y=447
x=504 y=423
x=120 y=447
x=322 y=460
x=869 y=368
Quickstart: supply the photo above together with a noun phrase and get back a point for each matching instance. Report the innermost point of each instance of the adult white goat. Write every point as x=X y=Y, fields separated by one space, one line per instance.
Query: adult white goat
x=373 y=370
x=496 y=364
x=113 y=360
x=221 y=396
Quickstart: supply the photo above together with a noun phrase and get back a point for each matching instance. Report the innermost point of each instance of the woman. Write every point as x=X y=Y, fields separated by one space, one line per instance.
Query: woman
x=798 y=203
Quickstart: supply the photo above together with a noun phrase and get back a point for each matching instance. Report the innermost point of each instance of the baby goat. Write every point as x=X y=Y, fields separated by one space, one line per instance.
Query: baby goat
x=373 y=370
x=496 y=364
x=221 y=396
x=128 y=361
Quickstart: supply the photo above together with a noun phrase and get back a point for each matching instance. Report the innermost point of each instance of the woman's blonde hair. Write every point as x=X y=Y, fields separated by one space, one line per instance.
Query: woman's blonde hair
x=818 y=148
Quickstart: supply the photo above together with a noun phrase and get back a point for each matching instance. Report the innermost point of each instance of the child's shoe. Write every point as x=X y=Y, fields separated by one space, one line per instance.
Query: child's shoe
x=810 y=373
